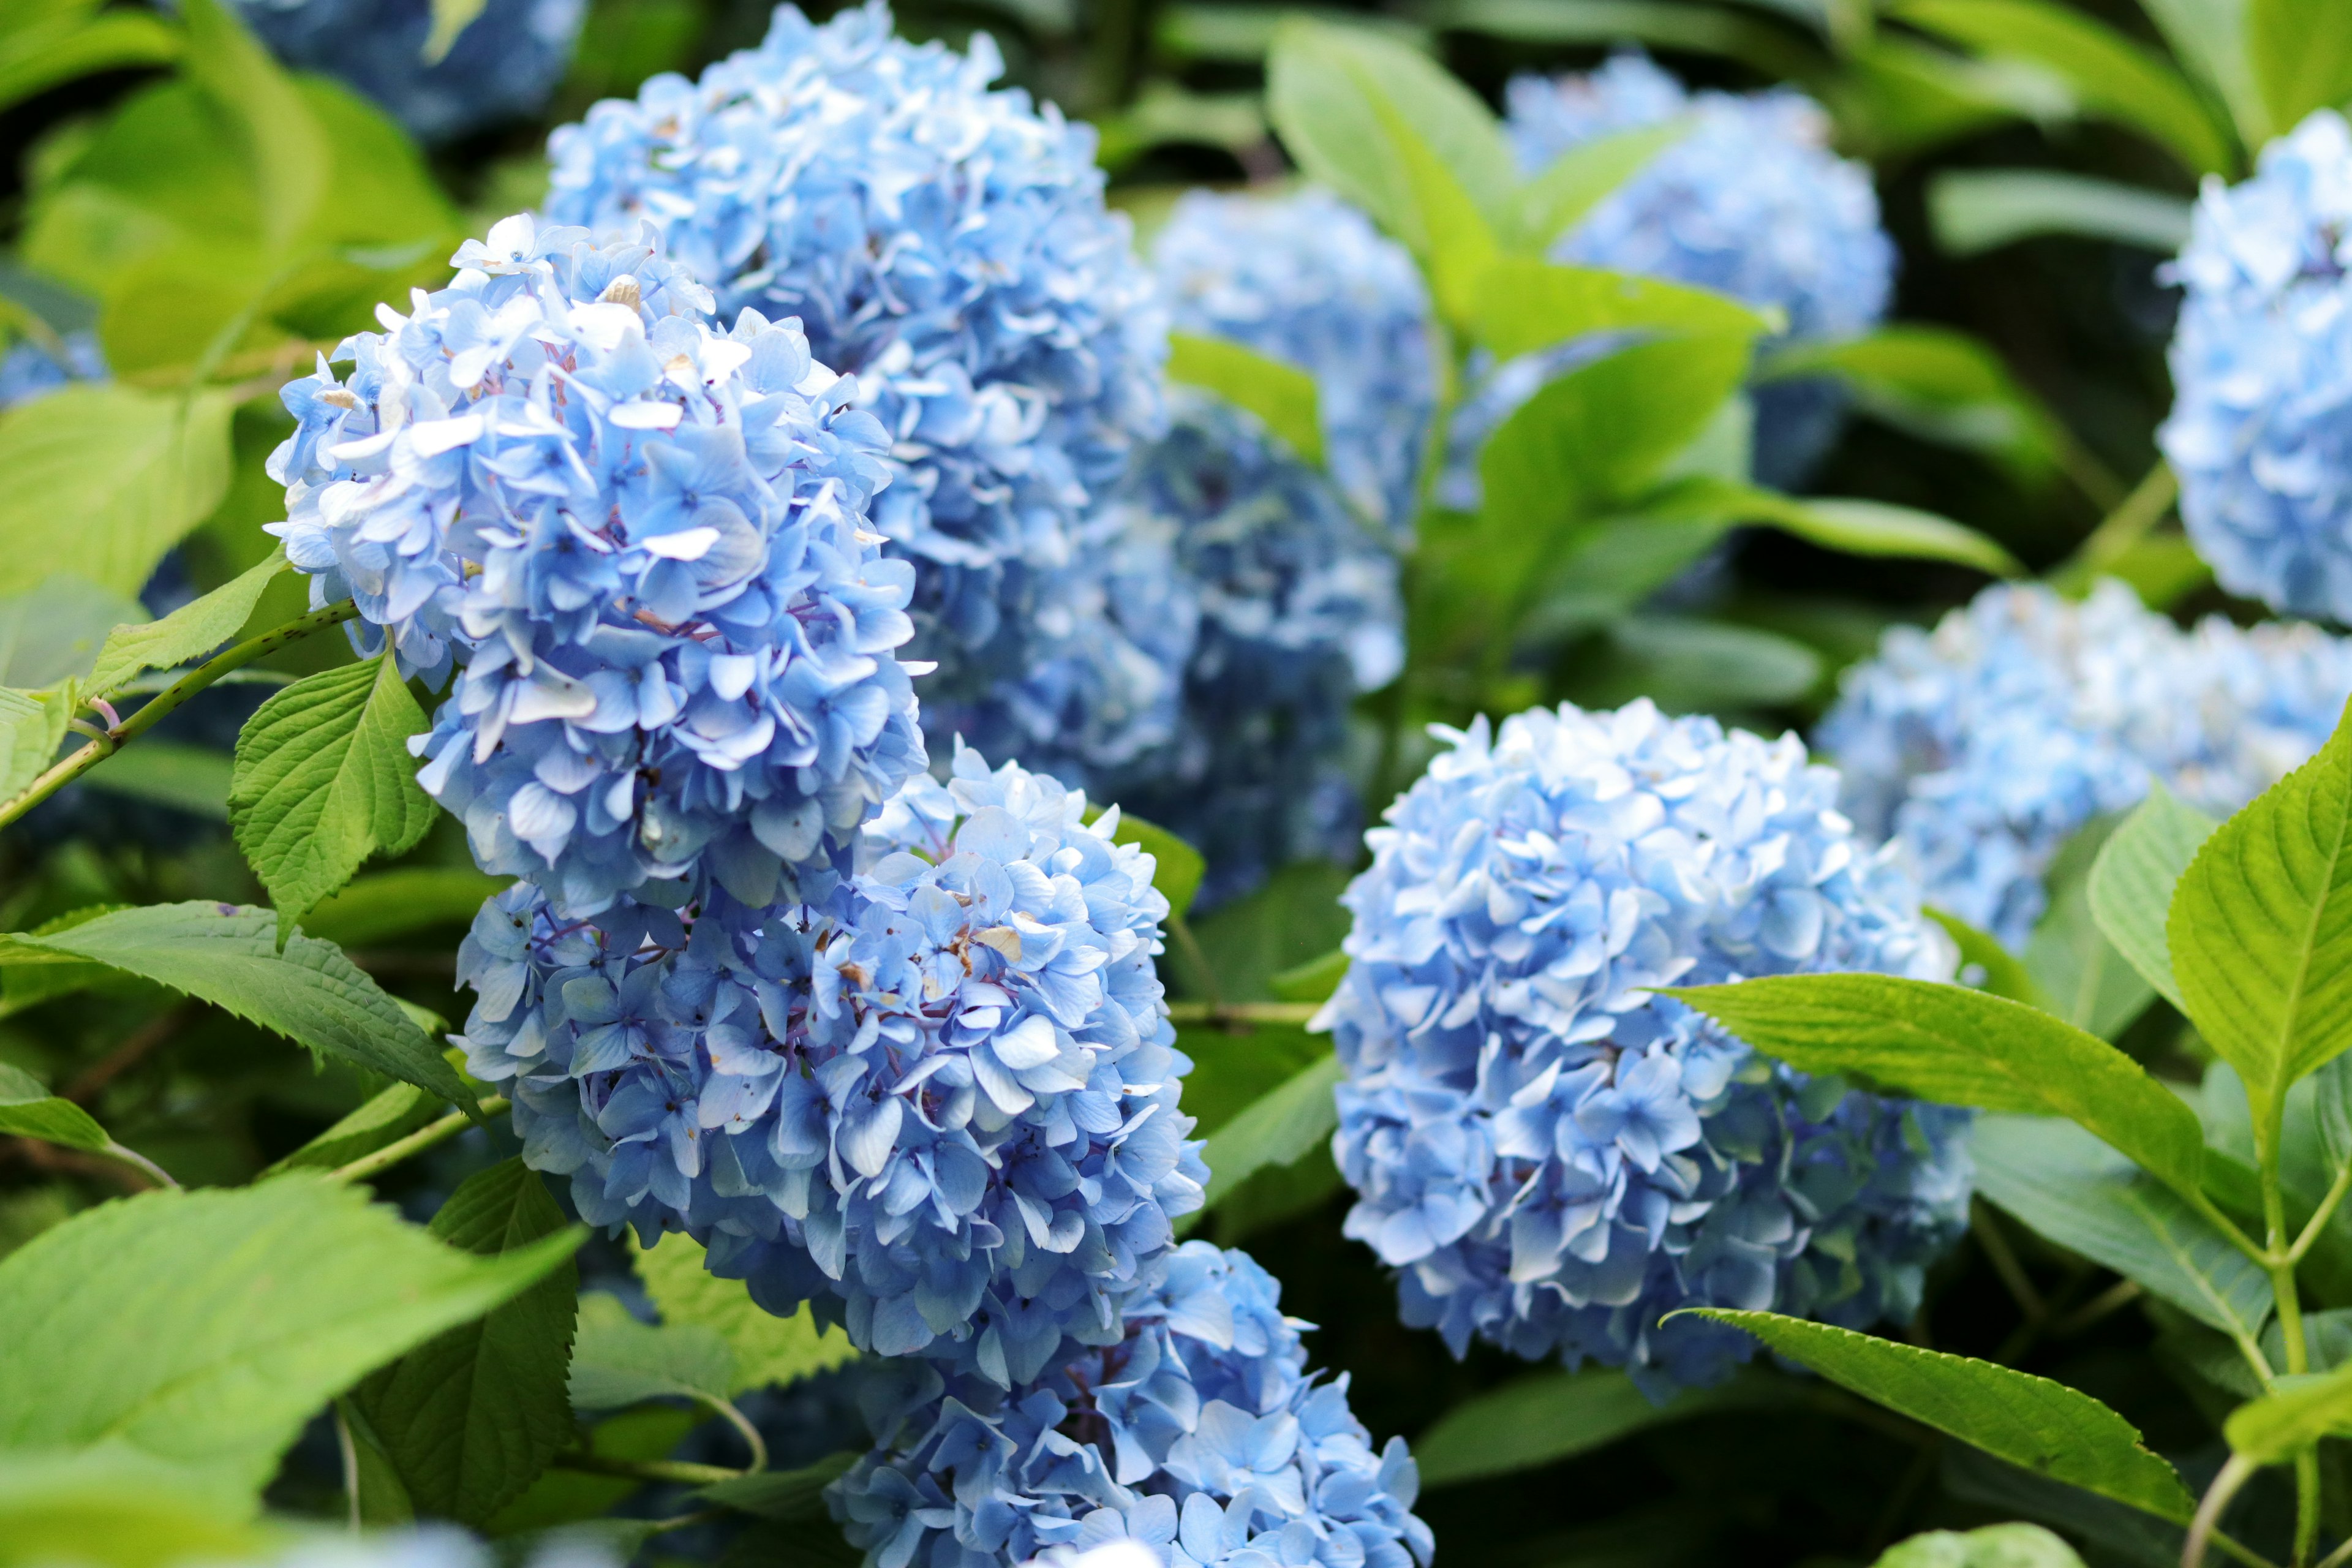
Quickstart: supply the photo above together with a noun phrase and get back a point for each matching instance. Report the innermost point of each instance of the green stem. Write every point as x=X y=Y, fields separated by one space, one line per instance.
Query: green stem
x=2320 y=1216
x=2131 y=521
x=676 y=1471
x=2202 y=1529
x=1205 y=973
x=726 y=1411
x=424 y=1138
x=2289 y=1302
x=168 y=701
x=1242 y=1012
x=140 y=1162
x=2307 y=1506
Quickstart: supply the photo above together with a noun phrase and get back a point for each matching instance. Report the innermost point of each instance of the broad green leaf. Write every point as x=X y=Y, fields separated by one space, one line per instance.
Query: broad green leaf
x=1524 y=304
x=1972 y=211
x=37 y=58
x=194 y=779
x=32 y=725
x=118 y=1508
x=2032 y=1422
x=1281 y=396
x=29 y=1111
x=53 y=632
x=617 y=1360
x=2209 y=38
x=386 y=904
x=2111 y=76
x=1296 y=916
x=1316 y=980
x=1546 y=1416
x=2301 y=56
x=450 y=18
x=2261 y=931
x=1936 y=383
x=2072 y=1189
x=188 y=632
x=766 y=1349
x=2277 y=1426
x=470 y=1417
x=384 y=1119
x=135 y=470
x=790 y=1494
x=205 y=1328
x=2005 y=975
x=287 y=149
x=1457 y=238
x=1577 y=181
x=1962 y=1048
x=2133 y=880
x=1881 y=528
x=2095 y=988
x=1993 y=1546
x=221 y=953
x=28 y=984
x=324 y=780
x=1276 y=1131
x=1177 y=867
x=1233 y=1068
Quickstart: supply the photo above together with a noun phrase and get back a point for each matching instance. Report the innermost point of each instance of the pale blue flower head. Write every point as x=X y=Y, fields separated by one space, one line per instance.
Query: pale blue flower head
x=949 y=246
x=1553 y=1156
x=938 y=1097
x=503 y=66
x=1196 y=1433
x=1986 y=744
x=2261 y=428
x=643 y=541
x=1306 y=278
x=1300 y=615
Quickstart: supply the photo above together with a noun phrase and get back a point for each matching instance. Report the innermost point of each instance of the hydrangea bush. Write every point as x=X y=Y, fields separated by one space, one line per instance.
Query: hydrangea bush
x=1552 y=1155
x=2261 y=429
x=1986 y=744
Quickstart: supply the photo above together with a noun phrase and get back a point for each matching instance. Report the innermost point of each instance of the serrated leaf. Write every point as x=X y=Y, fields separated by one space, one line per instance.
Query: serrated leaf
x=468 y=1419
x=1547 y=1417
x=29 y=1111
x=2032 y=1422
x=188 y=632
x=135 y=470
x=2261 y=931
x=2133 y=880
x=617 y=1360
x=766 y=1349
x=1992 y=1546
x=205 y=1329
x=1962 y=1048
x=324 y=780
x=1278 y=1130
x=1281 y=396
x=226 y=955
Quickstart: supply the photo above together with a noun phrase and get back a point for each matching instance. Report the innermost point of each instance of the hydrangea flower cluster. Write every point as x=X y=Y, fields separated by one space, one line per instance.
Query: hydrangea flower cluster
x=1986 y=744
x=1552 y=1155
x=1198 y=1434
x=29 y=371
x=1750 y=202
x=503 y=66
x=937 y=1096
x=1299 y=612
x=1307 y=279
x=643 y=540
x=2261 y=428
x=949 y=246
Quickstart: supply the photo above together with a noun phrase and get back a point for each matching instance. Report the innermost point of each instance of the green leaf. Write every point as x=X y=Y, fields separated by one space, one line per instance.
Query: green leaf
x=52 y=633
x=1276 y=1131
x=789 y=1495
x=1294 y=916
x=562 y=1496
x=1577 y=181
x=282 y=137
x=117 y=1509
x=385 y=1118
x=1547 y=1417
x=2133 y=880
x=205 y=1328
x=221 y=953
x=1972 y=211
x=2095 y=988
x=386 y=904
x=29 y=1111
x=188 y=632
x=450 y=18
x=59 y=48
x=2032 y=1422
x=2072 y=1189
x=32 y=724
x=1993 y=1546
x=1688 y=666
x=1881 y=528
x=324 y=780
x=134 y=471
x=194 y=779
x=766 y=1349
x=617 y=1360
x=2277 y=1427
x=2004 y=975
x=1524 y=304
x=1936 y=383
x=1234 y=1067
x=2301 y=56
x=1316 y=980
x=1281 y=396
x=470 y=1418
x=1962 y=1048
x=2261 y=931
x=1177 y=867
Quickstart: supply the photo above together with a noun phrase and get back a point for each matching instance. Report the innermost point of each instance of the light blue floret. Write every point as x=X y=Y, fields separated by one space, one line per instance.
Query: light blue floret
x=938 y=1097
x=1553 y=1156
x=2261 y=428
x=503 y=66
x=1986 y=744
x=949 y=246
x=1197 y=1433
x=641 y=544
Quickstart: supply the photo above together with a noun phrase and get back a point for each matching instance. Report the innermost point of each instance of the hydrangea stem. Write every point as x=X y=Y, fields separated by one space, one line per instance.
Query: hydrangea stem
x=1214 y=1012
x=167 y=701
x=676 y=1471
x=424 y=1138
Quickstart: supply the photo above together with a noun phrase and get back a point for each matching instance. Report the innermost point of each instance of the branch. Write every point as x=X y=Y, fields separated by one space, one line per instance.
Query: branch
x=424 y=1138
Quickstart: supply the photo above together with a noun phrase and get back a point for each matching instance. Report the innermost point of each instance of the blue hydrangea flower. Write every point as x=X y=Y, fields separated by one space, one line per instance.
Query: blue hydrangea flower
x=644 y=541
x=2261 y=428
x=1984 y=745
x=29 y=371
x=939 y=1096
x=1198 y=1434
x=504 y=65
x=1553 y=1156
x=1299 y=613
x=1307 y=279
x=1750 y=203
x=949 y=246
